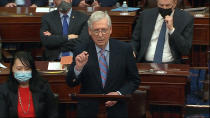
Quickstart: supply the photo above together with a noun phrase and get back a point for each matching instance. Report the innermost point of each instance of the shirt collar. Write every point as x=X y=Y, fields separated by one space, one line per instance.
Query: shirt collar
x=99 y=49
x=68 y=13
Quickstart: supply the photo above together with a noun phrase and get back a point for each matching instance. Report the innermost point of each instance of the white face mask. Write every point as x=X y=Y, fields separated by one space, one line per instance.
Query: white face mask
x=23 y=76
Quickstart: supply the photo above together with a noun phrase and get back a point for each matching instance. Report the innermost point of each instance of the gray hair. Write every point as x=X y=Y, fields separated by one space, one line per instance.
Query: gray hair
x=98 y=15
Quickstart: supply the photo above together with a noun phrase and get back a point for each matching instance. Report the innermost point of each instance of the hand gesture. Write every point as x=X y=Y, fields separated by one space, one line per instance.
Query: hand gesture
x=111 y=103
x=169 y=22
x=46 y=33
x=10 y=5
x=95 y=4
x=81 y=60
x=83 y=4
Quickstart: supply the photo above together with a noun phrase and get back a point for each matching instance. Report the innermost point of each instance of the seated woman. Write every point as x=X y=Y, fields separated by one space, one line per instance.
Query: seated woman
x=26 y=93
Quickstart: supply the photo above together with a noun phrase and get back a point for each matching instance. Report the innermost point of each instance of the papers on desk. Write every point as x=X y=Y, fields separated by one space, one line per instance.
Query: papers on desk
x=2 y=66
x=129 y=9
x=54 y=66
x=44 y=9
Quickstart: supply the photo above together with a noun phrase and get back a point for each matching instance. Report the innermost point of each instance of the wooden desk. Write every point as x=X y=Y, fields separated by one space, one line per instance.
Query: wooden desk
x=201 y=41
x=172 y=83
x=167 y=87
x=25 y=28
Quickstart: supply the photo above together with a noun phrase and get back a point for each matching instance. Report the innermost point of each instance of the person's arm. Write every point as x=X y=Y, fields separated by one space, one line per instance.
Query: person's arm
x=133 y=79
x=83 y=4
x=52 y=105
x=136 y=36
x=83 y=36
x=3 y=104
x=3 y=3
x=52 y=40
x=182 y=40
x=79 y=63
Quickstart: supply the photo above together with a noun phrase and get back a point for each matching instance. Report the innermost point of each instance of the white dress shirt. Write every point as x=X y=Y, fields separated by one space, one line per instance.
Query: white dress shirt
x=167 y=56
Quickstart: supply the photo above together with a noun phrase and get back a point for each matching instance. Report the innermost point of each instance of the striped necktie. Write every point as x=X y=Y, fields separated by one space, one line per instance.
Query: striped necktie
x=160 y=44
x=103 y=67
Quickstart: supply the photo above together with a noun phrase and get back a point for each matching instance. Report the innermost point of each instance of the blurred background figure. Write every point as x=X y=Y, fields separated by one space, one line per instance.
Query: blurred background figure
x=24 y=3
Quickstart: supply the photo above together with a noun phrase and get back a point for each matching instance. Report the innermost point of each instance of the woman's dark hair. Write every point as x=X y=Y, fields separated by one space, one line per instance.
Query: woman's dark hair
x=27 y=60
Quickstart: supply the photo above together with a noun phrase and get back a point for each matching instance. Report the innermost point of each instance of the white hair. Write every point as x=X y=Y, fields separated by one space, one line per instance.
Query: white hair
x=98 y=15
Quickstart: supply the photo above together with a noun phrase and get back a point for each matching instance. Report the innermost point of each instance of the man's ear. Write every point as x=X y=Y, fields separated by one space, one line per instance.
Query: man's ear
x=174 y=4
x=111 y=30
x=89 y=30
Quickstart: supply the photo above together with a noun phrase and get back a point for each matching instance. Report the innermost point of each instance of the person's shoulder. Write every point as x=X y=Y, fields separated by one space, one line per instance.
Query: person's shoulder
x=50 y=14
x=183 y=14
x=79 y=14
x=119 y=44
x=150 y=10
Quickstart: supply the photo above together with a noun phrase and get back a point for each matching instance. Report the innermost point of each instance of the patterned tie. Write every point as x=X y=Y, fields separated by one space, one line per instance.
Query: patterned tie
x=103 y=67
x=160 y=44
x=65 y=31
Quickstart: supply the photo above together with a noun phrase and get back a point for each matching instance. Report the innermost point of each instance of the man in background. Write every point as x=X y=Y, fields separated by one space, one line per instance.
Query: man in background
x=163 y=34
x=62 y=29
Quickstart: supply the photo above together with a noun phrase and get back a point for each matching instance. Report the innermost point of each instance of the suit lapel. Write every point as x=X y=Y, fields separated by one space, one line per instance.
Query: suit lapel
x=14 y=100
x=149 y=23
x=113 y=60
x=35 y=97
x=72 y=21
x=176 y=18
x=93 y=65
x=58 y=22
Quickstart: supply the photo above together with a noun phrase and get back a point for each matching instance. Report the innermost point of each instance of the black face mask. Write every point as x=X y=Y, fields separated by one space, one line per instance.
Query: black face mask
x=164 y=12
x=64 y=7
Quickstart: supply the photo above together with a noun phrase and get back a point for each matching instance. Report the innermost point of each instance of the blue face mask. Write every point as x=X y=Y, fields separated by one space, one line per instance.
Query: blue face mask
x=23 y=76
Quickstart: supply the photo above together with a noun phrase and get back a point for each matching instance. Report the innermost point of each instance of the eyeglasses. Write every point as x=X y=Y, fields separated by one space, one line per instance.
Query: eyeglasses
x=103 y=31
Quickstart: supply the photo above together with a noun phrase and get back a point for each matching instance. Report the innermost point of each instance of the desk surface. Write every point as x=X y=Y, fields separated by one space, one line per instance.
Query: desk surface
x=173 y=81
x=143 y=68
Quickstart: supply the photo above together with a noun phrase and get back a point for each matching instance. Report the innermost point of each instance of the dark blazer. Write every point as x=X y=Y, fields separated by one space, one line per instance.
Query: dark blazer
x=180 y=41
x=103 y=3
x=57 y=43
x=39 y=3
x=44 y=102
x=122 y=76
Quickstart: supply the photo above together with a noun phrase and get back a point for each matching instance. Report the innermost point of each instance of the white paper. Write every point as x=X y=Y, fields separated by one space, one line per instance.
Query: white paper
x=54 y=66
x=2 y=66
x=44 y=9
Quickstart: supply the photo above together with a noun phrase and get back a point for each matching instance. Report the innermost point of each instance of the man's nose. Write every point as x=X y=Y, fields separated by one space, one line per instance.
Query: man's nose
x=164 y=7
x=100 y=33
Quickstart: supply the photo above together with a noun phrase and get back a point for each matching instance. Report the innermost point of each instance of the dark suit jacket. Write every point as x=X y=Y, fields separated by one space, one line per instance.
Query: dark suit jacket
x=103 y=3
x=180 y=41
x=44 y=102
x=122 y=76
x=39 y=3
x=57 y=43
